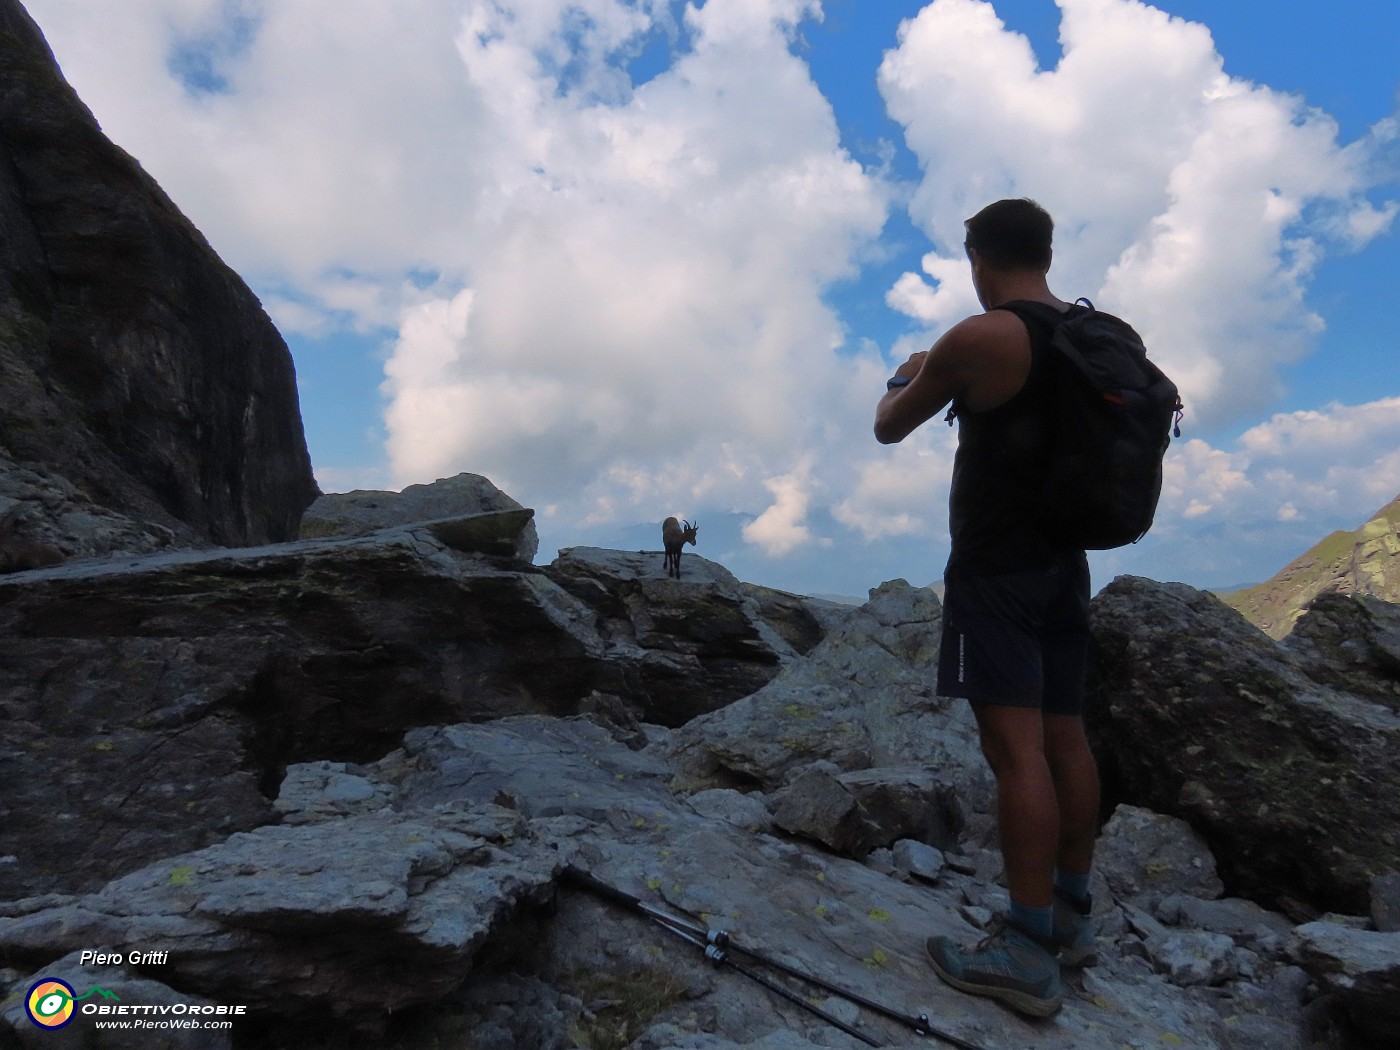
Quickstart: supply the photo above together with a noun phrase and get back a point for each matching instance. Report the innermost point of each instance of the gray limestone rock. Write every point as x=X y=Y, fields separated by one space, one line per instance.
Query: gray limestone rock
x=918 y=859
x=853 y=813
x=1352 y=643
x=1146 y=857
x=819 y=806
x=375 y=855
x=312 y=792
x=1195 y=957
x=45 y=520
x=462 y=497
x=338 y=780
x=691 y=645
x=1245 y=922
x=862 y=698
x=367 y=907
x=748 y=811
x=162 y=698
x=1361 y=968
x=360 y=915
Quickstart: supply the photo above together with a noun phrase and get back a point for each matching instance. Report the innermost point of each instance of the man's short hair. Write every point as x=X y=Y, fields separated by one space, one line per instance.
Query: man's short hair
x=1012 y=235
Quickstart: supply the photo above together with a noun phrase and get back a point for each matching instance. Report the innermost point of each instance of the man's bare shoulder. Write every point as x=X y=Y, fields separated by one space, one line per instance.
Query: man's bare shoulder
x=995 y=332
x=992 y=354
x=993 y=324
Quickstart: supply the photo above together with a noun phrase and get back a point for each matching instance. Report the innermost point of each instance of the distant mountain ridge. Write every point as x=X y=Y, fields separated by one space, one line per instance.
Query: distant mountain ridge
x=1363 y=561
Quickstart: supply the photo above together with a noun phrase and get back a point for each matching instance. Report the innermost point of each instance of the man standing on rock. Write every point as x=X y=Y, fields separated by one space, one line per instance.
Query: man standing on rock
x=1016 y=611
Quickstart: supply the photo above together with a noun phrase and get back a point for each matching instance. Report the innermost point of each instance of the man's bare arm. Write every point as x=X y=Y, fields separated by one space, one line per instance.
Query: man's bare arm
x=981 y=360
x=936 y=376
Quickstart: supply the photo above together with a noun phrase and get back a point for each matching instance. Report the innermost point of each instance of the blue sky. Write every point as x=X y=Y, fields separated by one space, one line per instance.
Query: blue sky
x=632 y=258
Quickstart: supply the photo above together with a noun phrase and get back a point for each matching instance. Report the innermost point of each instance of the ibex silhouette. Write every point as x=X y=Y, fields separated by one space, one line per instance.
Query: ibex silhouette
x=673 y=538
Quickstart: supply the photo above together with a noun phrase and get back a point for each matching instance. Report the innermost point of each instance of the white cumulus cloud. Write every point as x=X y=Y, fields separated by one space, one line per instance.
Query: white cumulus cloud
x=1195 y=204
x=611 y=293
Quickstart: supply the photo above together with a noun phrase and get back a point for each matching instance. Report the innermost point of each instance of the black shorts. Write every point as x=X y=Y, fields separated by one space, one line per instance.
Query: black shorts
x=1019 y=638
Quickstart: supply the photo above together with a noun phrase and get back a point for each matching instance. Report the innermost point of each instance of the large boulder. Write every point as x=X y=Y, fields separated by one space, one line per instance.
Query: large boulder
x=363 y=511
x=864 y=697
x=1198 y=714
x=134 y=364
x=1360 y=969
x=692 y=645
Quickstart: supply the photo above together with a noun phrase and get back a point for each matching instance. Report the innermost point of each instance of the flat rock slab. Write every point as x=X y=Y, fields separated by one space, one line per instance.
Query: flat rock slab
x=364 y=915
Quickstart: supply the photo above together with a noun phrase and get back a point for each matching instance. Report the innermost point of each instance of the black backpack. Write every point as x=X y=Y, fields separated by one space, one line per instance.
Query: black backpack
x=1112 y=415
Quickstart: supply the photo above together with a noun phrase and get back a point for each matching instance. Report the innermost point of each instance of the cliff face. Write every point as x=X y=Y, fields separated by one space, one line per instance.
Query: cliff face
x=137 y=371
x=1361 y=562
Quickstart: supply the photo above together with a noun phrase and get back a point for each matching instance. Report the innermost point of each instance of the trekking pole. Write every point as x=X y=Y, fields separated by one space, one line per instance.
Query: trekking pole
x=717 y=944
x=698 y=936
x=617 y=896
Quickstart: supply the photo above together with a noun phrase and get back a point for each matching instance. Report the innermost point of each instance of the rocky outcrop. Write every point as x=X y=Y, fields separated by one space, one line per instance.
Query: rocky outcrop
x=863 y=697
x=465 y=496
x=1351 y=644
x=155 y=702
x=691 y=645
x=372 y=913
x=1365 y=561
x=1291 y=779
x=1361 y=969
x=406 y=900
x=45 y=519
x=134 y=366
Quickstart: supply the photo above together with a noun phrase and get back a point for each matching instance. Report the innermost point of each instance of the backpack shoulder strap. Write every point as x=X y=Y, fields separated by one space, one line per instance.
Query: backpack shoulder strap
x=1044 y=321
x=1040 y=319
x=1101 y=347
x=1043 y=315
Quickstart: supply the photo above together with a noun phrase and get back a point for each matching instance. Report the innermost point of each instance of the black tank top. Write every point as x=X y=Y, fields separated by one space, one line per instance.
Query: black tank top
x=1001 y=459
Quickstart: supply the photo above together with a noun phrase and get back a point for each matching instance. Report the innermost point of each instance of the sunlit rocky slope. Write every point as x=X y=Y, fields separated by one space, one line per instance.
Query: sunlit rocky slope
x=1365 y=561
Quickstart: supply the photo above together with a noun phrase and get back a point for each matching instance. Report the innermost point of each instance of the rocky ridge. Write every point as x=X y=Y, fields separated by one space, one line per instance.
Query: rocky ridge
x=1361 y=562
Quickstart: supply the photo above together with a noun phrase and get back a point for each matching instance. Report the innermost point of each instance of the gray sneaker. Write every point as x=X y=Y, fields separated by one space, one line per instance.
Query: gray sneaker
x=1008 y=965
x=1074 y=933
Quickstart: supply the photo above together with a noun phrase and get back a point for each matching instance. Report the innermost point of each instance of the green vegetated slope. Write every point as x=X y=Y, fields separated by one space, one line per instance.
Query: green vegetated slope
x=1363 y=561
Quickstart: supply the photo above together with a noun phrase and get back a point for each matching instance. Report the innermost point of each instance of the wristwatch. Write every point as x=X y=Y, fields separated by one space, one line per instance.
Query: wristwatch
x=895 y=382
